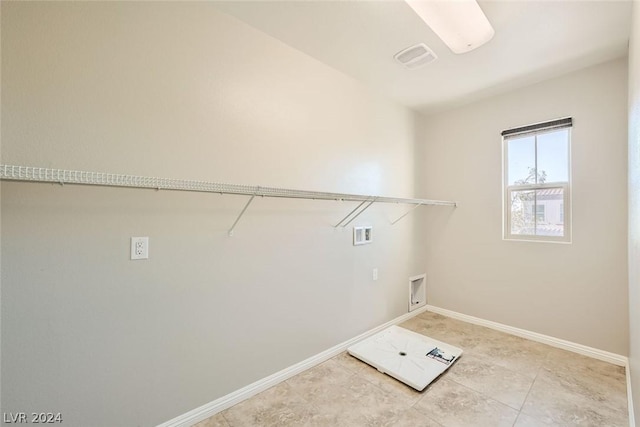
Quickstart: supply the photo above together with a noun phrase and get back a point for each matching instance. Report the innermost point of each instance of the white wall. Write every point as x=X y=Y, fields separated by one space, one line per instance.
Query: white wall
x=182 y=90
x=634 y=206
x=576 y=291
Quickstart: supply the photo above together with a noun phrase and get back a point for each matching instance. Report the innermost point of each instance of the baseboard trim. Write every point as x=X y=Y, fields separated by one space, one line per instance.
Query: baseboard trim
x=605 y=356
x=209 y=409
x=632 y=417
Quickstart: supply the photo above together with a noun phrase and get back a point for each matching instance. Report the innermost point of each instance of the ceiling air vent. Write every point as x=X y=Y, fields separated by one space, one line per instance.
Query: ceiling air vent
x=415 y=56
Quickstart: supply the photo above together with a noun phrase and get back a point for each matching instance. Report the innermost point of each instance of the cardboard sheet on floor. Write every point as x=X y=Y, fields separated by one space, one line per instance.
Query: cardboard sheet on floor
x=407 y=356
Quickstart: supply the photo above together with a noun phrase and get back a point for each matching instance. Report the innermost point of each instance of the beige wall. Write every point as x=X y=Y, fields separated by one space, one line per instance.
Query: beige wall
x=634 y=206
x=575 y=292
x=182 y=90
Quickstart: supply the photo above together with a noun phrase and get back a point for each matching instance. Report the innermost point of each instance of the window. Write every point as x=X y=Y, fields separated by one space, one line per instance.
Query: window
x=537 y=181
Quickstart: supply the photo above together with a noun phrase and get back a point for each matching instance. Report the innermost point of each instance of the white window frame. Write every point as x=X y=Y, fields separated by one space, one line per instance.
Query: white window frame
x=509 y=189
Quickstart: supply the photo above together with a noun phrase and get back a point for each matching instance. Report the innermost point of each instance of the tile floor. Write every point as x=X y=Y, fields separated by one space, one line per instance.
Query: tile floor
x=500 y=380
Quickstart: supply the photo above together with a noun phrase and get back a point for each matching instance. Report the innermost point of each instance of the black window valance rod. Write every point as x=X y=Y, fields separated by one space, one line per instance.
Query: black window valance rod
x=552 y=124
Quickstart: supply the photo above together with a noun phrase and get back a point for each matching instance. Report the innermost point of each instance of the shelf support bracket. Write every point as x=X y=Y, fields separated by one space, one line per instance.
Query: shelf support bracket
x=359 y=213
x=349 y=214
x=407 y=212
x=240 y=216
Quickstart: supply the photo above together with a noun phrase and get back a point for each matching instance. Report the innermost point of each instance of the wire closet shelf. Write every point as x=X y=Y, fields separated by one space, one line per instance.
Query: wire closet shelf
x=63 y=176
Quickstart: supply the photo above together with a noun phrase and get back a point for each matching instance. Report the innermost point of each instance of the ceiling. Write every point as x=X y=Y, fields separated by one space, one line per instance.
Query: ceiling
x=534 y=41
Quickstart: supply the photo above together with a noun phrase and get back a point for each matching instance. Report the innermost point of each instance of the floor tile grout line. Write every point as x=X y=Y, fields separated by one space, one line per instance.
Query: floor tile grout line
x=481 y=393
x=530 y=388
x=351 y=372
x=484 y=394
x=424 y=392
x=225 y=419
x=307 y=402
x=386 y=391
x=305 y=398
x=519 y=411
x=341 y=385
x=486 y=359
x=482 y=356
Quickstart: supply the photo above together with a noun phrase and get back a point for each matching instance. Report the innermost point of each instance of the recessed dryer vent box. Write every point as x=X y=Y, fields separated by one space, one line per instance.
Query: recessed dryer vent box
x=417 y=291
x=362 y=235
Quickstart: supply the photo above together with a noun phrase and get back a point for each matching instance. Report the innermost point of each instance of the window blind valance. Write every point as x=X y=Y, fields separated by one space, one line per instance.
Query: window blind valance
x=552 y=124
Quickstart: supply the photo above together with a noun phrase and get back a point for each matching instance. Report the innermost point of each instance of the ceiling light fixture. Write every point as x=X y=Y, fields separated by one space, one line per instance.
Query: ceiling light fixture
x=460 y=24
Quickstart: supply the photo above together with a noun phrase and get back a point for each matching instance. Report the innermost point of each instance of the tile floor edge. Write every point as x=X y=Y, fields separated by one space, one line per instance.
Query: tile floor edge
x=209 y=409
x=584 y=350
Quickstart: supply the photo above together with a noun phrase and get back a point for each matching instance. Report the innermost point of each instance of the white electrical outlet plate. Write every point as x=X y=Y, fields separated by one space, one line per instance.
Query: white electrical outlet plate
x=375 y=274
x=139 y=248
